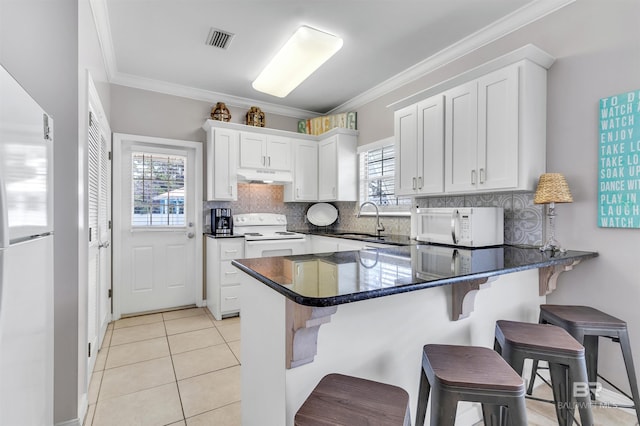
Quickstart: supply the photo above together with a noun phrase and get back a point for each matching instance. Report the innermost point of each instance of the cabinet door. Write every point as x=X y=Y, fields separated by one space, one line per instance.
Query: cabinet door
x=406 y=149
x=498 y=129
x=305 y=176
x=430 y=149
x=327 y=166
x=278 y=153
x=222 y=165
x=253 y=151
x=461 y=138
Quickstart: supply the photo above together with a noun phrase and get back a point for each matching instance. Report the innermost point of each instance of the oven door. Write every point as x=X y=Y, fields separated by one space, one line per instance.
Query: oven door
x=268 y=248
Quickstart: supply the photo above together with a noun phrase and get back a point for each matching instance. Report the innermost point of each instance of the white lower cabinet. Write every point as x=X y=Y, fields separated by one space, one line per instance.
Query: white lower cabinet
x=223 y=279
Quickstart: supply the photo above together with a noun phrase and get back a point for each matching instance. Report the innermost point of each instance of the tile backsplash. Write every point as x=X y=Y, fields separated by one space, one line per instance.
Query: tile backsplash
x=523 y=220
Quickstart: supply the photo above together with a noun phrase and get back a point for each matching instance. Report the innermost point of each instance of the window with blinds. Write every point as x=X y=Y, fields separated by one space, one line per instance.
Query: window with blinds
x=158 y=190
x=377 y=178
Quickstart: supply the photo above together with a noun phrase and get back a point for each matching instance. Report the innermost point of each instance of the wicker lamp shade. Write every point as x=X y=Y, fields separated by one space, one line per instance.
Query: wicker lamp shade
x=552 y=188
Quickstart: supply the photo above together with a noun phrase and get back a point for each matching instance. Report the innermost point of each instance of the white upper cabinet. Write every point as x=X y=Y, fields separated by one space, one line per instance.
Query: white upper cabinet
x=487 y=134
x=461 y=138
x=305 y=172
x=222 y=160
x=261 y=151
x=419 y=146
x=312 y=168
x=338 y=168
x=495 y=131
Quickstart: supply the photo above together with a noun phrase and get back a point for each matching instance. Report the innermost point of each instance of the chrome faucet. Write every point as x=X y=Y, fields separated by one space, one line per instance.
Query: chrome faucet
x=379 y=226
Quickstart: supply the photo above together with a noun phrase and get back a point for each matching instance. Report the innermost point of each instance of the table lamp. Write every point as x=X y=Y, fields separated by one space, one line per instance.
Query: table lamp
x=552 y=188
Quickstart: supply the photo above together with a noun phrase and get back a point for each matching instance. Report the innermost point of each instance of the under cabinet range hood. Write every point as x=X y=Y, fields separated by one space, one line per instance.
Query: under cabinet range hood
x=264 y=176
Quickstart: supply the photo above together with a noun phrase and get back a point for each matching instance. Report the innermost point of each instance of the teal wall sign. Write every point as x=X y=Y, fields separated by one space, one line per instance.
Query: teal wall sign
x=619 y=161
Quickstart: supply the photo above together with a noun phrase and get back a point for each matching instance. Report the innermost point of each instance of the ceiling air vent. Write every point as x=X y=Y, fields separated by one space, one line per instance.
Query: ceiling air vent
x=219 y=38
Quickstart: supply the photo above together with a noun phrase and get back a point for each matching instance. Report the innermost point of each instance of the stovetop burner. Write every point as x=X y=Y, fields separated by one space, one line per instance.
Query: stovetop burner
x=253 y=234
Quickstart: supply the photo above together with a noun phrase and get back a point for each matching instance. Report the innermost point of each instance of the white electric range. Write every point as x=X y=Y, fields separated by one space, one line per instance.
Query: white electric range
x=265 y=234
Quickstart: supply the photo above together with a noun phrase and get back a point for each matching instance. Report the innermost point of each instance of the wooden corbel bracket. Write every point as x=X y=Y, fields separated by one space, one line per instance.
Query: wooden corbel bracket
x=463 y=296
x=303 y=324
x=548 y=276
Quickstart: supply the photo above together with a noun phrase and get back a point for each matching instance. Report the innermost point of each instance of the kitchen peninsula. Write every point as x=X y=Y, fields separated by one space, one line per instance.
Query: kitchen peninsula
x=368 y=313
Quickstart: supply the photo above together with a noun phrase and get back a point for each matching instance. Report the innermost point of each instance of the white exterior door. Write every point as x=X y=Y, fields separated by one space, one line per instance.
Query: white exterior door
x=158 y=232
x=99 y=216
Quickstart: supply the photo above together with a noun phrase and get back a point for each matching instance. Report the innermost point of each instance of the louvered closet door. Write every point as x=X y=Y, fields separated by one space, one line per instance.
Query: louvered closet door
x=99 y=218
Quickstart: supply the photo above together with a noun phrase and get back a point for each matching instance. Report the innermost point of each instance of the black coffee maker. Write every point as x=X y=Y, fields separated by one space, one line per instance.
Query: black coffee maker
x=221 y=222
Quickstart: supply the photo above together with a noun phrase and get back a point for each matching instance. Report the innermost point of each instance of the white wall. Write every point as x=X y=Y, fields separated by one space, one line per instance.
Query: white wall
x=142 y=112
x=39 y=46
x=597 y=46
x=48 y=47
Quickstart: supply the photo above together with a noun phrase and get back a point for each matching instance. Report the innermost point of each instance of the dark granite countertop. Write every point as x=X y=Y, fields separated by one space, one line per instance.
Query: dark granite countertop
x=396 y=240
x=329 y=279
x=222 y=236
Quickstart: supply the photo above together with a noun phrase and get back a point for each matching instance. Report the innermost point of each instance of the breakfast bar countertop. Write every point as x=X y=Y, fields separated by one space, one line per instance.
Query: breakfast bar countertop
x=371 y=273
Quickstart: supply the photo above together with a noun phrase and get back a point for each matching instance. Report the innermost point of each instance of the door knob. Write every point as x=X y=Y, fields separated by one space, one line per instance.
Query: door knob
x=190 y=235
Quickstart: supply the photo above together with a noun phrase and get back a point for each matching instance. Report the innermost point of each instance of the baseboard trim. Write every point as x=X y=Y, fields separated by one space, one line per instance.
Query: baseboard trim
x=74 y=422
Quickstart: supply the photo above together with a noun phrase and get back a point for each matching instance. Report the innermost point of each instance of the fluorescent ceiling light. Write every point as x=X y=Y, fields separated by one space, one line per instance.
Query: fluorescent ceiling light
x=305 y=51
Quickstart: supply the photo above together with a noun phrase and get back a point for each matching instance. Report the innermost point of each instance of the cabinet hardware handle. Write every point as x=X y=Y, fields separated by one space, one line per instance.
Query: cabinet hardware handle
x=264 y=160
x=482 y=176
x=230 y=189
x=414 y=183
x=230 y=297
x=231 y=251
x=230 y=273
x=473 y=177
x=269 y=161
x=298 y=192
x=419 y=182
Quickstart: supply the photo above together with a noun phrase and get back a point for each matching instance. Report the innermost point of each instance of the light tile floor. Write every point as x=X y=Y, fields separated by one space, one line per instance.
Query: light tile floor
x=183 y=368
x=172 y=368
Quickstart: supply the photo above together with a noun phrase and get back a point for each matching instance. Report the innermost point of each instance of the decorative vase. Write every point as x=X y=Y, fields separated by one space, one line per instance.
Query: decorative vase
x=220 y=112
x=255 y=117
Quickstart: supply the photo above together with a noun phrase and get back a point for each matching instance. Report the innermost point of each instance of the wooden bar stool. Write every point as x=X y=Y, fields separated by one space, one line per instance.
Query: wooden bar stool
x=345 y=400
x=586 y=325
x=517 y=341
x=469 y=373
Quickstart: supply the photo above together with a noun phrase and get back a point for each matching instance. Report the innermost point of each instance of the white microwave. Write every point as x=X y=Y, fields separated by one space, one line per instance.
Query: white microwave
x=460 y=226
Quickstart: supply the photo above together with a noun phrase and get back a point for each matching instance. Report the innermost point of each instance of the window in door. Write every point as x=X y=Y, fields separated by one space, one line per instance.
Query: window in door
x=158 y=183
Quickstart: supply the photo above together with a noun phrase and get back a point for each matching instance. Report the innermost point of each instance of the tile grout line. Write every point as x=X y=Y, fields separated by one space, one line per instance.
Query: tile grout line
x=175 y=375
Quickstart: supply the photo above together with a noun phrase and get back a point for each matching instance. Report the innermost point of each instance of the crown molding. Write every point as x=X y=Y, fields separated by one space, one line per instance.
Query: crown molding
x=103 y=28
x=480 y=38
x=500 y=28
x=164 y=87
x=529 y=52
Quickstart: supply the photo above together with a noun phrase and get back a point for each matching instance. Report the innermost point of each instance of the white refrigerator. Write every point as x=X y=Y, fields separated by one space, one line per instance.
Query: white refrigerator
x=26 y=258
